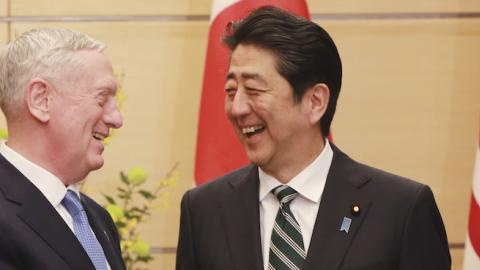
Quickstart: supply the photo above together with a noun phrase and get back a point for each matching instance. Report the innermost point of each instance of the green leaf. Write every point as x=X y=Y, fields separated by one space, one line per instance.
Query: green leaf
x=121 y=224
x=109 y=199
x=124 y=196
x=134 y=208
x=144 y=259
x=146 y=194
x=136 y=216
x=124 y=179
x=139 y=210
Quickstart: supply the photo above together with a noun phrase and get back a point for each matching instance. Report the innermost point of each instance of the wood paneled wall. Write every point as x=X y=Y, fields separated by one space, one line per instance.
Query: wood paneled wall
x=202 y=7
x=3 y=33
x=410 y=101
x=379 y=6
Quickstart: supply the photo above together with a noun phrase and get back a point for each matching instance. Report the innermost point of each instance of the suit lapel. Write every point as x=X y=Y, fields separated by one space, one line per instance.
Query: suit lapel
x=101 y=232
x=342 y=191
x=45 y=221
x=42 y=218
x=240 y=212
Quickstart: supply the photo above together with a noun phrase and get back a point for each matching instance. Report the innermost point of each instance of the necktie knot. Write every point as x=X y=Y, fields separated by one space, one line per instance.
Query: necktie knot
x=284 y=194
x=72 y=203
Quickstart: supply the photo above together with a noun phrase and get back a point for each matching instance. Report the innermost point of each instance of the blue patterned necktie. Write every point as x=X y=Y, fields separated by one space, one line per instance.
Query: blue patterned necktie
x=83 y=231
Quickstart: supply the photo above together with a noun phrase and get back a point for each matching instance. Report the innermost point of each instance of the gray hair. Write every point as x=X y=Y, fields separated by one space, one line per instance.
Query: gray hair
x=39 y=53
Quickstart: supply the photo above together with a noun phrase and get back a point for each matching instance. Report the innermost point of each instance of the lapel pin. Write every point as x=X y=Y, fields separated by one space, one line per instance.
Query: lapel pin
x=355 y=210
x=346 y=224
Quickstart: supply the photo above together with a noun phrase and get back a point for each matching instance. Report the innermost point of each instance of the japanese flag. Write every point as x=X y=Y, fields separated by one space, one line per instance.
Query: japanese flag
x=472 y=243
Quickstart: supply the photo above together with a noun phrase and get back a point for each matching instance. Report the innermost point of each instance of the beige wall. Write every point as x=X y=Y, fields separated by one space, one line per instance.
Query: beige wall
x=409 y=102
x=110 y=7
x=3 y=7
x=202 y=7
x=3 y=33
x=379 y=6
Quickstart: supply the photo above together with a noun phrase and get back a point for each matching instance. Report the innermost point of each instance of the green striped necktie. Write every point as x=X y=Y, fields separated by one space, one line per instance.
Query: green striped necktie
x=287 y=251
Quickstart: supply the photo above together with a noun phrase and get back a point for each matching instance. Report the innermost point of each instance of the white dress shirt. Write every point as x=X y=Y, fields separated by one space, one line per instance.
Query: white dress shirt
x=49 y=185
x=309 y=184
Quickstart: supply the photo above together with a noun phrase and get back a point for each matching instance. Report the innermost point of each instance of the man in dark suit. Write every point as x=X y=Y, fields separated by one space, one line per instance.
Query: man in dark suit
x=57 y=92
x=303 y=203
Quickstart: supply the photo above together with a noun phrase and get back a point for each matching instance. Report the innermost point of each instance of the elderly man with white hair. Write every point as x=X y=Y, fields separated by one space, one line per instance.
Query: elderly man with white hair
x=57 y=91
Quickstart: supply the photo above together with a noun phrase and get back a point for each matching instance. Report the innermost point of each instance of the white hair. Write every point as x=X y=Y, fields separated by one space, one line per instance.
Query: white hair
x=39 y=53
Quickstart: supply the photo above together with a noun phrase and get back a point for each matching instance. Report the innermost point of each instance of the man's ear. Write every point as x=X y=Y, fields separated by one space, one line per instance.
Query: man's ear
x=37 y=95
x=318 y=97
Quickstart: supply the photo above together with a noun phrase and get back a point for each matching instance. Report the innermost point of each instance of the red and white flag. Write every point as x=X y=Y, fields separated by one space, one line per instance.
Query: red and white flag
x=472 y=243
x=218 y=149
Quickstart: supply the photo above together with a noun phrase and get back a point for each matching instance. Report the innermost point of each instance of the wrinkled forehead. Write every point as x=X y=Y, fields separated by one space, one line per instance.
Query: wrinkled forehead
x=91 y=70
x=252 y=62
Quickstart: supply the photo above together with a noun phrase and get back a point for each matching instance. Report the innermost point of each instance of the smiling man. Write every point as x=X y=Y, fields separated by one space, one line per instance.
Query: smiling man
x=303 y=203
x=57 y=92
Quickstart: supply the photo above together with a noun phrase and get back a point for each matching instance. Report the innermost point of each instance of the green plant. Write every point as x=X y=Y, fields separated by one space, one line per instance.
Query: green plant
x=133 y=205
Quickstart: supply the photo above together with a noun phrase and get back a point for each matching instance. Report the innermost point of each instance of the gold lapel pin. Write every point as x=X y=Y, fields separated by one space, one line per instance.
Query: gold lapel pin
x=355 y=210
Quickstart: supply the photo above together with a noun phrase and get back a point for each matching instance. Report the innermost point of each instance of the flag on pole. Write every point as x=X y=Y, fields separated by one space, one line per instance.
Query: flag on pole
x=471 y=259
x=218 y=149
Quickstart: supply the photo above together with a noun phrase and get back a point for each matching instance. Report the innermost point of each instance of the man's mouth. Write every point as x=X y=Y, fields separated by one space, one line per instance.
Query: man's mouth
x=252 y=130
x=98 y=136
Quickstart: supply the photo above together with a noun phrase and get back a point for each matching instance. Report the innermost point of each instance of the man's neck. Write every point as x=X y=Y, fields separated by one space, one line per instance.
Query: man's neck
x=33 y=153
x=289 y=168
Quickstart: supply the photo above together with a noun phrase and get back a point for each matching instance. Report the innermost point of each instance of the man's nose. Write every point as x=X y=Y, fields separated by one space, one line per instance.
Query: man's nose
x=240 y=104
x=113 y=117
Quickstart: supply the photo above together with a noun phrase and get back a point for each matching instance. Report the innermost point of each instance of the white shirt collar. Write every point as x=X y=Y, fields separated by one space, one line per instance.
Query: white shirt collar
x=309 y=183
x=49 y=185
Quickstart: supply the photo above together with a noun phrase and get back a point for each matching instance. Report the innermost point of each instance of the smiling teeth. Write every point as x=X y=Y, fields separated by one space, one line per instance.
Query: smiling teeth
x=252 y=129
x=98 y=136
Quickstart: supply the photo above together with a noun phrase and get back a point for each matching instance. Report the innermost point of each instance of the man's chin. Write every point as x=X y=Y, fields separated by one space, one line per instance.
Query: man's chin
x=96 y=164
x=87 y=167
x=255 y=158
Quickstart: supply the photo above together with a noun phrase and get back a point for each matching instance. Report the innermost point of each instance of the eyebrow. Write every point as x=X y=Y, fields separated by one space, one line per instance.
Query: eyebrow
x=246 y=76
x=109 y=86
x=106 y=90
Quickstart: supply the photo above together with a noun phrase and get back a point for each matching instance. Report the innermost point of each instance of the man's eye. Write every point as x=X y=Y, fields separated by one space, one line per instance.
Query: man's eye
x=101 y=102
x=103 y=99
x=230 y=91
x=253 y=91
